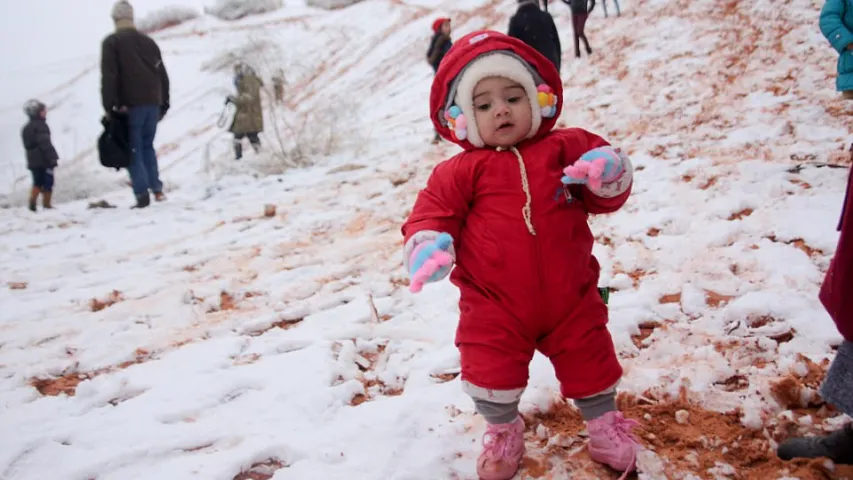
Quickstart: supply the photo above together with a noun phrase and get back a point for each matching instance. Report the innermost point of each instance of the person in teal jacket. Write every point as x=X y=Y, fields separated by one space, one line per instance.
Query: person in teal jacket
x=836 y=24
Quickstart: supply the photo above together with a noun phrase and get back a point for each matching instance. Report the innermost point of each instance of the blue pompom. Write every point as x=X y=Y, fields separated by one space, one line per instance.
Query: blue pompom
x=455 y=111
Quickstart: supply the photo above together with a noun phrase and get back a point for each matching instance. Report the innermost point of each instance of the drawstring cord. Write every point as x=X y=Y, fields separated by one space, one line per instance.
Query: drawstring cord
x=526 y=210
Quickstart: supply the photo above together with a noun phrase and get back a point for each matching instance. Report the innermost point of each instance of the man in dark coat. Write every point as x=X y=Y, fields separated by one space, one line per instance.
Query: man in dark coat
x=134 y=82
x=536 y=28
x=41 y=156
x=580 y=12
x=836 y=295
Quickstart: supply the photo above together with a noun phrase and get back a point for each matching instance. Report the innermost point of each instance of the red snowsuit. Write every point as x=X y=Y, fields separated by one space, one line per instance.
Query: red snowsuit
x=519 y=291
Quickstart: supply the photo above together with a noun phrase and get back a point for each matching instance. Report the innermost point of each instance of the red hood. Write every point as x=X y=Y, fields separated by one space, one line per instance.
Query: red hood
x=472 y=46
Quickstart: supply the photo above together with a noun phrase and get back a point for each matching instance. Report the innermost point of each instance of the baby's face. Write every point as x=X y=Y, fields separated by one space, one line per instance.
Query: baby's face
x=502 y=111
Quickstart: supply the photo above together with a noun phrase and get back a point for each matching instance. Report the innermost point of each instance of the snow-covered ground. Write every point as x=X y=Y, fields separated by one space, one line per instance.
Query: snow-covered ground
x=199 y=338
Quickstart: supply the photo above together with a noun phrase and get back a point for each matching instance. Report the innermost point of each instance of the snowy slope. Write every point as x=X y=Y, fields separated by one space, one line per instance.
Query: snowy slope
x=200 y=339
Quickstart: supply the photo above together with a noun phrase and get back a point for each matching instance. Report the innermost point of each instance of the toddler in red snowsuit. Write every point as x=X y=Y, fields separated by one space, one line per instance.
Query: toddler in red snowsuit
x=511 y=213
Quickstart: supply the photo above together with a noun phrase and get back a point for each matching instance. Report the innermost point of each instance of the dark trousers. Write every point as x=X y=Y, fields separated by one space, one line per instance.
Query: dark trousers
x=43 y=179
x=578 y=25
x=238 y=143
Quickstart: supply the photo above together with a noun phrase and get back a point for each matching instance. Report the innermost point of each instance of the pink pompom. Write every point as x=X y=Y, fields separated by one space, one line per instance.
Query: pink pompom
x=543 y=88
x=461 y=133
x=461 y=122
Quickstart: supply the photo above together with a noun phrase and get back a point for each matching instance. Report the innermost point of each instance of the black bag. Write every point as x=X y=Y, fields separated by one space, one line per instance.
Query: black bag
x=114 y=143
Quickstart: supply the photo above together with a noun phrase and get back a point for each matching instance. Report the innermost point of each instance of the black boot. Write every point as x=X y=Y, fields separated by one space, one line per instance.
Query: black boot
x=837 y=446
x=238 y=151
x=142 y=201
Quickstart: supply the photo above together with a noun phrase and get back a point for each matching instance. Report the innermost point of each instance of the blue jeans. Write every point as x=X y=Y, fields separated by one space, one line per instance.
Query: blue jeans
x=144 y=172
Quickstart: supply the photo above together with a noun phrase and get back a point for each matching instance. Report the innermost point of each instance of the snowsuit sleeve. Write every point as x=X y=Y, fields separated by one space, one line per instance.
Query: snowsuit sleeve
x=443 y=205
x=575 y=142
x=832 y=25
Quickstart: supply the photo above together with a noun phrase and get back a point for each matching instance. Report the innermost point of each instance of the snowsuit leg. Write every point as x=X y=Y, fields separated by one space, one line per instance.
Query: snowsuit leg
x=494 y=347
x=580 y=347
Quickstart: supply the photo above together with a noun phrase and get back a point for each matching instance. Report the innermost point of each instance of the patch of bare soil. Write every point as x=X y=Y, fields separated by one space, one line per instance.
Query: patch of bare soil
x=687 y=438
x=68 y=382
x=98 y=304
x=261 y=470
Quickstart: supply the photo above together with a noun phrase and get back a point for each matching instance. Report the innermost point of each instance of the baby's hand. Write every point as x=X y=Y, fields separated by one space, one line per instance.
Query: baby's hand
x=430 y=261
x=598 y=166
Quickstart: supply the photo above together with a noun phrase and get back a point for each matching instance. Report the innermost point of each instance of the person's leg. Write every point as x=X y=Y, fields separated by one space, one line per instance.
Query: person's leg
x=47 y=188
x=238 y=146
x=604 y=6
x=38 y=181
x=576 y=34
x=255 y=141
x=582 y=25
x=837 y=390
x=136 y=117
x=149 y=131
x=581 y=350
x=618 y=12
x=495 y=355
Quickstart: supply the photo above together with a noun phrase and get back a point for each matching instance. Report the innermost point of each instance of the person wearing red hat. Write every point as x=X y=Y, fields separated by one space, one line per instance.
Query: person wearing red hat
x=508 y=216
x=438 y=48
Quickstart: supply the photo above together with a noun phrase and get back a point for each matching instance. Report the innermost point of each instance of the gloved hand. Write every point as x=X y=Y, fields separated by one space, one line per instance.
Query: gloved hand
x=596 y=167
x=430 y=261
x=163 y=109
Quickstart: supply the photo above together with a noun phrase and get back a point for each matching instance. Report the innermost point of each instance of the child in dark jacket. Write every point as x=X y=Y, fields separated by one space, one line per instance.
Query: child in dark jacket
x=41 y=156
x=438 y=48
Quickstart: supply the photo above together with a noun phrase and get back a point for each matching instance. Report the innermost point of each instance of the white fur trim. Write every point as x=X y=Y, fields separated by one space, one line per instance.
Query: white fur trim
x=419 y=238
x=495 y=64
x=621 y=184
x=494 y=396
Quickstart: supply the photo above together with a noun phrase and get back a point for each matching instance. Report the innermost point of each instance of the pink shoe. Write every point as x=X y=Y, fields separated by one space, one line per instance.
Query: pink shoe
x=503 y=447
x=612 y=443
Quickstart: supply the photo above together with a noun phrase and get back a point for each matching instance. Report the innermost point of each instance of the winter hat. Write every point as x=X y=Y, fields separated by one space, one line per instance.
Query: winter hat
x=33 y=107
x=499 y=63
x=122 y=10
x=438 y=22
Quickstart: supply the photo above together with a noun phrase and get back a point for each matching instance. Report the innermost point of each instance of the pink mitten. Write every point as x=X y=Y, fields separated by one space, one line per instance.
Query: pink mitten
x=596 y=167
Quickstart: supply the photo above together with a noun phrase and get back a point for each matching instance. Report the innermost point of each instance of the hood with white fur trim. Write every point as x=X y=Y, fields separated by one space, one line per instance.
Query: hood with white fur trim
x=482 y=54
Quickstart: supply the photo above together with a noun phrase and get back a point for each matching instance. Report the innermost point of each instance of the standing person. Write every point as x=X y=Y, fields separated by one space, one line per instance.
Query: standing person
x=510 y=213
x=536 y=28
x=580 y=12
x=41 y=156
x=836 y=24
x=249 y=118
x=278 y=85
x=438 y=48
x=837 y=387
x=134 y=82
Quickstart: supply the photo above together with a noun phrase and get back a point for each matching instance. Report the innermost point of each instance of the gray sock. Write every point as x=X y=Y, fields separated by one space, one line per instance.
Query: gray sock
x=594 y=407
x=495 y=413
